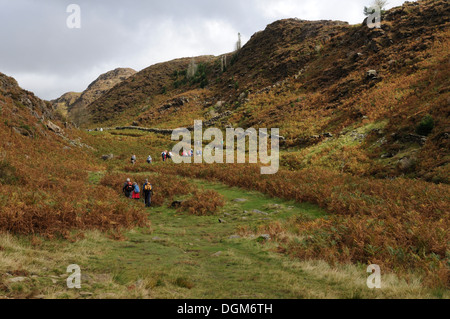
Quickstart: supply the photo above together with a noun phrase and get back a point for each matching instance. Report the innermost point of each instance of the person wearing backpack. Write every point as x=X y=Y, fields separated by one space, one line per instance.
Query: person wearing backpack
x=128 y=188
x=136 y=192
x=133 y=159
x=148 y=193
x=149 y=159
x=163 y=155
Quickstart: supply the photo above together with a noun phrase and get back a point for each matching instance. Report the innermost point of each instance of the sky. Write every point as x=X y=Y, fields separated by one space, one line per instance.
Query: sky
x=48 y=58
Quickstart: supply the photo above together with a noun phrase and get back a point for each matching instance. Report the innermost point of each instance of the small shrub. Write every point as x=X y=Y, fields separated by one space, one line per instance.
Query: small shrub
x=426 y=126
x=203 y=203
x=8 y=174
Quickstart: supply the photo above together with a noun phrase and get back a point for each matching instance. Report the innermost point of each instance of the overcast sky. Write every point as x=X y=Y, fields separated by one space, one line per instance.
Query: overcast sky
x=48 y=58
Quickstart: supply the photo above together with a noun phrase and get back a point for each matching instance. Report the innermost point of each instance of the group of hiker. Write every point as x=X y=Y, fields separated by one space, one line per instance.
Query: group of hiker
x=134 y=159
x=131 y=190
x=166 y=155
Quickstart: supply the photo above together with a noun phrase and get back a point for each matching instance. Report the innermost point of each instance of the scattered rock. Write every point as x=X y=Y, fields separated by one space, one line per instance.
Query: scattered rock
x=222 y=221
x=372 y=74
x=240 y=200
x=86 y=294
x=414 y=138
x=53 y=127
x=234 y=237
x=219 y=253
x=17 y=279
x=387 y=155
x=265 y=237
x=107 y=157
x=256 y=211
x=22 y=131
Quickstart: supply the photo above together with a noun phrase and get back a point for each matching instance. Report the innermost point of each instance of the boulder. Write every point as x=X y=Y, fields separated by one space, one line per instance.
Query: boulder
x=371 y=75
x=17 y=279
x=107 y=157
x=256 y=211
x=53 y=127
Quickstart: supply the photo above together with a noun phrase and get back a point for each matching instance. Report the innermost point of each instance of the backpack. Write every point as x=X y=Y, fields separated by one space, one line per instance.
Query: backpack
x=136 y=189
x=129 y=187
x=148 y=187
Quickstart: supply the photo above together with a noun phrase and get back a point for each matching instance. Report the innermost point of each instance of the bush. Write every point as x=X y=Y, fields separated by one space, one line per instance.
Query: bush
x=8 y=174
x=203 y=203
x=426 y=126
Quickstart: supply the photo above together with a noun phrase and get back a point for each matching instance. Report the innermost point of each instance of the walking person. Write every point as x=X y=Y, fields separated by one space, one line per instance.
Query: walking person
x=133 y=159
x=136 y=192
x=148 y=193
x=128 y=188
x=149 y=159
x=164 y=155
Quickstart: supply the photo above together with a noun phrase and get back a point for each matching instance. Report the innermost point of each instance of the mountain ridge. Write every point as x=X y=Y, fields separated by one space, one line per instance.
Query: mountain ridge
x=73 y=104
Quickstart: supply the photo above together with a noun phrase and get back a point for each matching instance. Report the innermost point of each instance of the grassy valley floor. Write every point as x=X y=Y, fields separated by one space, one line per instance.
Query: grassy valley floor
x=183 y=256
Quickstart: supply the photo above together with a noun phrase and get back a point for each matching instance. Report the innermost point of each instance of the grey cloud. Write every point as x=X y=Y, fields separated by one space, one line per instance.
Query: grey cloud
x=48 y=58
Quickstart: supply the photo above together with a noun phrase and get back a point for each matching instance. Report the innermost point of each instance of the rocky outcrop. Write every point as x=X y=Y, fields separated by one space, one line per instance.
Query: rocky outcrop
x=37 y=107
x=74 y=104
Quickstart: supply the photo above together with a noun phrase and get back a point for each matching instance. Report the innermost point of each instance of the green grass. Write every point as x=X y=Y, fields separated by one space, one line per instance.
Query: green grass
x=183 y=256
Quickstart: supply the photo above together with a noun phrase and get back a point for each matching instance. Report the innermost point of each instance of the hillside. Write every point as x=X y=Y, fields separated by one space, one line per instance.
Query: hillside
x=364 y=176
x=73 y=105
x=324 y=84
x=63 y=103
x=44 y=166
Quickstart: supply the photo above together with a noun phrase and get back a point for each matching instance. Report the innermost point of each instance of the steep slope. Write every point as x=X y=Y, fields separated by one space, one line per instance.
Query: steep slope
x=74 y=104
x=63 y=103
x=44 y=187
x=353 y=99
x=147 y=89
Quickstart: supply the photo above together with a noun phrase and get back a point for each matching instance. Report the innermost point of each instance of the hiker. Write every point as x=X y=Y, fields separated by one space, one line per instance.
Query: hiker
x=133 y=159
x=191 y=153
x=148 y=193
x=128 y=188
x=136 y=192
x=163 y=155
x=169 y=155
x=149 y=159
